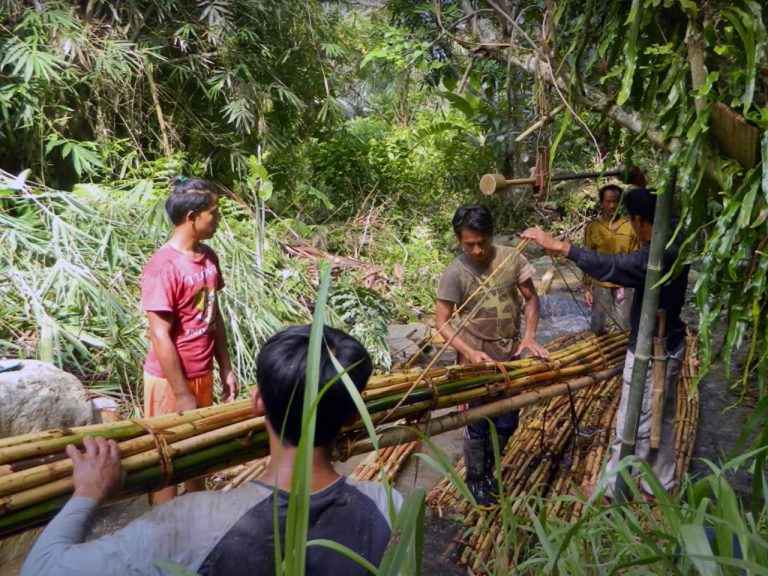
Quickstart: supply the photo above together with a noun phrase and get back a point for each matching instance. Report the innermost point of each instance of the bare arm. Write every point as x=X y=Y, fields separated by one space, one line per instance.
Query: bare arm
x=160 y=324
x=221 y=352
x=443 y=311
x=528 y=291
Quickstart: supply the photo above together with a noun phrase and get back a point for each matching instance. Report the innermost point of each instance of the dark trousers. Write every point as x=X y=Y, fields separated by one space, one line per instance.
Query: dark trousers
x=505 y=424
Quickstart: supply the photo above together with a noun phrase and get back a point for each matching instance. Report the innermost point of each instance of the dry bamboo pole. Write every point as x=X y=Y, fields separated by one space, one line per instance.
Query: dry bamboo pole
x=586 y=352
x=51 y=441
x=250 y=471
x=455 y=420
x=546 y=281
x=525 y=480
x=231 y=444
x=39 y=475
x=27 y=497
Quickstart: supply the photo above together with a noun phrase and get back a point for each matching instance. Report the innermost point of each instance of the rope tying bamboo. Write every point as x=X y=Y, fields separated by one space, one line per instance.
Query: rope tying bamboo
x=165 y=456
x=507 y=383
x=435 y=394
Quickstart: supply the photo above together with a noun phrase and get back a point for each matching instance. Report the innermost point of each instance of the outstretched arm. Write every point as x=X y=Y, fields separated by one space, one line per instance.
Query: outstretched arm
x=623 y=269
x=59 y=550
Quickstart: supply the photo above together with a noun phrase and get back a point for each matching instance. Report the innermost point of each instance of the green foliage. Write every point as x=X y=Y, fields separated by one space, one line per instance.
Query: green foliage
x=364 y=315
x=217 y=78
x=70 y=266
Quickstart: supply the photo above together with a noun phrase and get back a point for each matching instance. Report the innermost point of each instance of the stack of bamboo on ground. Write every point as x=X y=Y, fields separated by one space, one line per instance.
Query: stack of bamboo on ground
x=559 y=448
x=389 y=460
x=36 y=475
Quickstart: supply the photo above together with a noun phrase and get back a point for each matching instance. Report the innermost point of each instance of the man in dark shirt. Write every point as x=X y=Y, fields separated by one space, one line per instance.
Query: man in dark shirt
x=232 y=533
x=629 y=270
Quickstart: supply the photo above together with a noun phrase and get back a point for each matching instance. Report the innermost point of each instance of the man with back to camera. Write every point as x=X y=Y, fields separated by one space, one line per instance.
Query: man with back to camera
x=609 y=233
x=629 y=270
x=231 y=533
x=491 y=326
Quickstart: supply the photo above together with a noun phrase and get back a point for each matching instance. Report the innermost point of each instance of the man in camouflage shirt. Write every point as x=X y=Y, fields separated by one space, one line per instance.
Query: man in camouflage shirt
x=490 y=325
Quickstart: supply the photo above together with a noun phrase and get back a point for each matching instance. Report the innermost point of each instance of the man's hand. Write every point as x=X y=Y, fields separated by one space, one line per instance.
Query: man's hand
x=546 y=241
x=185 y=401
x=588 y=297
x=478 y=357
x=229 y=384
x=535 y=348
x=97 y=472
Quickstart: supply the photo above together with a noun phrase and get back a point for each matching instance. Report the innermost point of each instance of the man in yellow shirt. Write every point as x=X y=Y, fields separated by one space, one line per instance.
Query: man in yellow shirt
x=609 y=234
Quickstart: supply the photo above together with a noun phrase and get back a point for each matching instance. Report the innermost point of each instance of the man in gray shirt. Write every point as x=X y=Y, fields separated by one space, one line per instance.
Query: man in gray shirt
x=232 y=532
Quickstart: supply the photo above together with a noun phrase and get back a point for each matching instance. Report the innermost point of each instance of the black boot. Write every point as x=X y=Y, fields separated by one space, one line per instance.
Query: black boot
x=490 y=463
x=477 y=481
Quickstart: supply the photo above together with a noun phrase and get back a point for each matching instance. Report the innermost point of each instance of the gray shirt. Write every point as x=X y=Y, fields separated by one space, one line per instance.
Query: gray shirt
x=217 y=533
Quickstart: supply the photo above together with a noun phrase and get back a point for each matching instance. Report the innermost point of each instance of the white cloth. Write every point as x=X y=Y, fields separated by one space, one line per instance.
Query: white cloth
x=662 y=460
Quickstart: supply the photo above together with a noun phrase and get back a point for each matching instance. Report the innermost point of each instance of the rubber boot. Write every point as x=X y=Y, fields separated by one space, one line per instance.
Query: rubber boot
x=477 y=482
x=490 y=463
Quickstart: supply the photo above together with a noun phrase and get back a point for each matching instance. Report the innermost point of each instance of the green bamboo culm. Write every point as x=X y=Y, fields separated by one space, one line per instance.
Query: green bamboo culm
x=651 y=294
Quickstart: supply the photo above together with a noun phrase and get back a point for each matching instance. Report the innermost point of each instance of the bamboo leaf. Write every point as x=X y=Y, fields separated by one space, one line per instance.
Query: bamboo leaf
x=407 y=537
x=345 y=551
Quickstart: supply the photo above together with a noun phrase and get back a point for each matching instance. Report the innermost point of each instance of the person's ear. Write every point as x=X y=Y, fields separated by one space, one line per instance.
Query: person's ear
x=190 y=216
x=257 y=403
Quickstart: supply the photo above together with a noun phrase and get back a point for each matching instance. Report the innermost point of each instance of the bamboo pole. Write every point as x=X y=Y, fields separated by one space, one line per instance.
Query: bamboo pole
x=456 y=420
x=51 y=441
x=647 y=319
x=184 y=449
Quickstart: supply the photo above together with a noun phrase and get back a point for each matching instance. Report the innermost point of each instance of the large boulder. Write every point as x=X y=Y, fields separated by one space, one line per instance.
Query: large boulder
x=37 y=397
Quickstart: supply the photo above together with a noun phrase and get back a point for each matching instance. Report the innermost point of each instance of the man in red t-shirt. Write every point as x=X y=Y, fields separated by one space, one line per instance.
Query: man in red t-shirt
x=178 y=292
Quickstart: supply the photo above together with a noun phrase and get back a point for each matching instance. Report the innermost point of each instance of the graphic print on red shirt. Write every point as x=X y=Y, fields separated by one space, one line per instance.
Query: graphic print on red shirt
x=187 y=288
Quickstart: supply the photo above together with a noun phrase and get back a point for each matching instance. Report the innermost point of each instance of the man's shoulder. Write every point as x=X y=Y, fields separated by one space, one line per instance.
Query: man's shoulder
x=213 y=504
x=378 y=494
x=209 y=252
x=162 y=259
x=456 y=268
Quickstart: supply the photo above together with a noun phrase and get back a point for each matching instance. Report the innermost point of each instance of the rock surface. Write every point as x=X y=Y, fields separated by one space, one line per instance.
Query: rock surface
x=39 y=396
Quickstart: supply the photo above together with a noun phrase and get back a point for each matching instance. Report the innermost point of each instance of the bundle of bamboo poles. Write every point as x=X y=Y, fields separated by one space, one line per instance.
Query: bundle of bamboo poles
x=559 y=445
x=36 y=474
x=389 y=460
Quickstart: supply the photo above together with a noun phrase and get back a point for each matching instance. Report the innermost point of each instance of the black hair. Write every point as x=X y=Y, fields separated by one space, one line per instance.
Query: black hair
x=281 y=371
x=640 y=202
x=602 y=190
x=476 y=218
x=188 y=195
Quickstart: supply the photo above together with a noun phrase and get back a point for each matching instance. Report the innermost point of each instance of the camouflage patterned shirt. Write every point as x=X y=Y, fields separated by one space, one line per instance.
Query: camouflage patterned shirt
x=494 y=313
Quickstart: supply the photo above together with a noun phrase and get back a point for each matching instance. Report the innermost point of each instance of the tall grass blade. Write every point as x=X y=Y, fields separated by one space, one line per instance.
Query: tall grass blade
x=297 y=524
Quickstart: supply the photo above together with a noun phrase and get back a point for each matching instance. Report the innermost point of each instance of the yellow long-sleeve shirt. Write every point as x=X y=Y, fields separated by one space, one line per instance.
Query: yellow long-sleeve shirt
x=604 y=239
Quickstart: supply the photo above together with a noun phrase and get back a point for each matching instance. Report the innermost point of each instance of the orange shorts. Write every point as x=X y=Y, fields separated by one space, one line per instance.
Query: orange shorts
x=159 y=398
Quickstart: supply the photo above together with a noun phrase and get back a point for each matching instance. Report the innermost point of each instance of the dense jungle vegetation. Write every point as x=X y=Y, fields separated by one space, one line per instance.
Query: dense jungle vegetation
x=355 y=128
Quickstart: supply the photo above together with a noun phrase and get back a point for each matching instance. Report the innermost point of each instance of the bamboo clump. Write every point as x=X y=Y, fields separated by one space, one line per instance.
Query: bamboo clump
x=546 y=458
x=35 y=474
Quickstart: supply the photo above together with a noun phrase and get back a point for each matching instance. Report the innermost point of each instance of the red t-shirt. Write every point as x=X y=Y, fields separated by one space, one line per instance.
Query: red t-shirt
x=186 y=287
